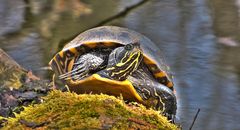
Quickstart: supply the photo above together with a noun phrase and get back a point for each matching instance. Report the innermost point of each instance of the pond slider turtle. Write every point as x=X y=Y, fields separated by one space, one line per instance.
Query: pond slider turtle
x=116 y=61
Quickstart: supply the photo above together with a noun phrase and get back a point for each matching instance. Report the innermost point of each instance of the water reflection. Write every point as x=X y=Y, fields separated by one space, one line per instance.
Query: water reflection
x=189 y=32
x=226 y=25
x=50 y=22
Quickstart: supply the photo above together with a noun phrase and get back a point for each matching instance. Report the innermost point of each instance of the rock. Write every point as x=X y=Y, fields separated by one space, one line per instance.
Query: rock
x=65 y=110
x=4 y=112
x=9 y=100
x=27 y=96
x=18 y=87
x=11 y=73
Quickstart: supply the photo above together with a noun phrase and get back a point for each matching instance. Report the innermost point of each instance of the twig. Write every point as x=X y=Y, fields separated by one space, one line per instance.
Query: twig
x=194 y=119
x=121 y=14
x=107 y=20
x=33 y=124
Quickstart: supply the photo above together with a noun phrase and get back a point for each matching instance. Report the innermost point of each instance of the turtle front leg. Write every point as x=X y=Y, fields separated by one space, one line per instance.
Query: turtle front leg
x=83 y=66
x=166 y=100
x=156 y=96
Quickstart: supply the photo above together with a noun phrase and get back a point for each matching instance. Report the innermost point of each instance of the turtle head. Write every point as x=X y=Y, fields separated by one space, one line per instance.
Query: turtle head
x=126 y=53
x=123 y=61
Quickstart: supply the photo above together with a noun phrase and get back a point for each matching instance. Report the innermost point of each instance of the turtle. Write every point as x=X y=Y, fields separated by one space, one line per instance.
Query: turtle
x=116 y=61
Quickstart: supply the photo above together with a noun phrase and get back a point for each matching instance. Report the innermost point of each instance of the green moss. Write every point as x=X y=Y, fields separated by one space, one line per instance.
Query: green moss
x=11 y=76
x=69 y=110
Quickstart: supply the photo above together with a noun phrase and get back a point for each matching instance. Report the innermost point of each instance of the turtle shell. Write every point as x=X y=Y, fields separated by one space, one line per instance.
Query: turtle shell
x=111 y=37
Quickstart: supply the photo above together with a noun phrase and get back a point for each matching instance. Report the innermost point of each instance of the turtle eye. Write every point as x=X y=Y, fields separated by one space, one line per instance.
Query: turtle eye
x=129 y=47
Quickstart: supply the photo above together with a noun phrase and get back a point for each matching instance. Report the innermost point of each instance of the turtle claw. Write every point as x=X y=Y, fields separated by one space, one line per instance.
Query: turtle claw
x=75 y=71
x=83 y=66
x=80 y=74
x=170 y=117
x=79 y=62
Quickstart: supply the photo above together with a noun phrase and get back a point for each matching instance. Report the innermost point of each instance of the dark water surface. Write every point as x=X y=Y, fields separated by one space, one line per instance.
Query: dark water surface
x=200 y=40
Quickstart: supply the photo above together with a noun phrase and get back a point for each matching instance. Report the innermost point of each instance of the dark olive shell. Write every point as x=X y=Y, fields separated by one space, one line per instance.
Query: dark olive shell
x=110 y=36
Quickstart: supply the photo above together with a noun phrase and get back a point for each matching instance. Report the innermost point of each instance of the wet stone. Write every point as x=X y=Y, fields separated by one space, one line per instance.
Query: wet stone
x=9 y=101
x=4 y=112
x=13 y=100
x=27 y=95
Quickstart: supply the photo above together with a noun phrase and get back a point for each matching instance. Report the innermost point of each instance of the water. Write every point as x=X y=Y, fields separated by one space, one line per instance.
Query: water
x=199 y=38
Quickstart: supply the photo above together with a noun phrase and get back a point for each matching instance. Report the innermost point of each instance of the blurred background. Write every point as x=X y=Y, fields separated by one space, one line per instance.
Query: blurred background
x=199 y=38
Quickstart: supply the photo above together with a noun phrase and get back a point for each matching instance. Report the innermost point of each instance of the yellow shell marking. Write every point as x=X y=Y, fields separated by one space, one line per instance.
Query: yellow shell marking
x=170 y=84
x=160 y=74
x=108 y=44
x=70 y=65
x=61 y=53
x=91 y=44
x=74 y=50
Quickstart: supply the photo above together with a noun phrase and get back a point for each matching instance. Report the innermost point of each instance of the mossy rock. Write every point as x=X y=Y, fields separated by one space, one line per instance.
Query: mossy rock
x=65 y=110
x=11 y=73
